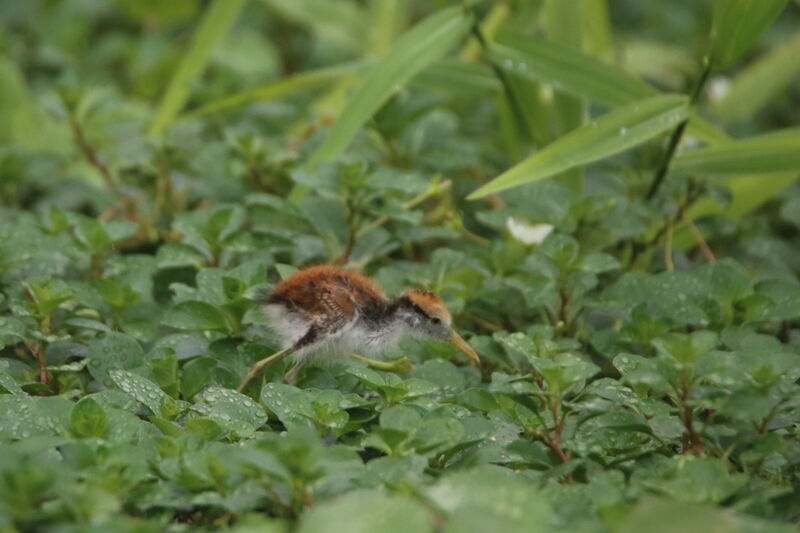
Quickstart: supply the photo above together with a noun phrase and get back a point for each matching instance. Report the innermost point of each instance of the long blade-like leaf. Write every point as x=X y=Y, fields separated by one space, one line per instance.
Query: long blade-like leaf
x=773 y=152
x=568 y=70
x=581 y=75
x=215 y=24
x=612 y=133
x=748 y=192
x=737 y=25
x=283 y=87
x=415 y=50
x=563 y=25
x=759 y=83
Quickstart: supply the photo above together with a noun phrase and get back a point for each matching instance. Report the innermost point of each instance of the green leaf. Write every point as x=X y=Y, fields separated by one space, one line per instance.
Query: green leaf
x=217 y=19
x=675 y=295
x=667 y=516
x=291 y=405
x=196 y=375
x=736 y=26
x=400 y=418
x=749 y=192
x=490 y=499
x=283 y=88
x=195 y=315
x=772 y=152
x=205 y=428
x=573 y=72
x=231 y=410
x=367 y=512
x=612 y=133
x=691 y=479
x=88 y=419
x=114 y=350
x=284 y=271
x=686 y=348
x=8 y=382
x=568 y=70
x=415 y=50
x=785 y=297
x=144 y=390
x=761 y=82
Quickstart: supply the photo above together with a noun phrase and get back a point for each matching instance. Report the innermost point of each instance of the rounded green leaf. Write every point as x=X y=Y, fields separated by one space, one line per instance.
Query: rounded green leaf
x=196 y=315
x=88 y=419
x=367 y=512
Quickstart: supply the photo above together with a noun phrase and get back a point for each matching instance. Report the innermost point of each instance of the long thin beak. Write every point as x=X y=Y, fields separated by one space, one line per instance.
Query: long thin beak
x=457 y=341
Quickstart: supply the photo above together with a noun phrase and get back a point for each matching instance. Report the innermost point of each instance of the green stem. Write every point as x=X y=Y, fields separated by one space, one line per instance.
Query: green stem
x=676 y=136
x=513 y=100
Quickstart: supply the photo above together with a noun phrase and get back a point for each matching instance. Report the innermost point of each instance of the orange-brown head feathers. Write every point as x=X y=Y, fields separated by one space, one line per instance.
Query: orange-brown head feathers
x=429 y=303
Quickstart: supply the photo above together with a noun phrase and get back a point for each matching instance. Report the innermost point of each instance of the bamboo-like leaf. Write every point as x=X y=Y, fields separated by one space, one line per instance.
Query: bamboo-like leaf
x=341 y=23
x=581 y=75
x=774 y=152
x=415 y=50
x=494 y=19
x=737 y=25
x=283 y=87
x=563 y=26
x=218 y=18
x=748 y=192
x=455 y=77
x=597 y=34
x=568 y=70
x=761 y=82
x=386 y=21
x=612 y=133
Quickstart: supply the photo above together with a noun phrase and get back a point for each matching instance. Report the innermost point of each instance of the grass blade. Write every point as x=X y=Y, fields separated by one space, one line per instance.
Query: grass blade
x=748 y=192
x=597 y=33
x=340 y=24
x=581 y=75
x=283 y=87
x=218 y=18
x=456 y=77
x=612 y=133
x=758 y=84
x=568 y=70
x=415 y=50
x=737 y=25
x=563 y=26
x=773 y=152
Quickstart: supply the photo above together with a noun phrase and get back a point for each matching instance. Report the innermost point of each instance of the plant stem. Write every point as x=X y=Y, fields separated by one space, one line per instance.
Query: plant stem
x=676 y=136
x=513 y=101
x=698 y=236
x=668 y=251
x=692 y=438
x=639 y=247
x=351 y=234
x=90 y=153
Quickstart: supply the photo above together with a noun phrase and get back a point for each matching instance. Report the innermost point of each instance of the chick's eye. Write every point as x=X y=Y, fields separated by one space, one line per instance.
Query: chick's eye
x=436 y=321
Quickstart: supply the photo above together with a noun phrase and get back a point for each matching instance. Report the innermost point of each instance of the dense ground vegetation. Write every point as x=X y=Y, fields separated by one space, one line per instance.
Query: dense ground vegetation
x=630 y=279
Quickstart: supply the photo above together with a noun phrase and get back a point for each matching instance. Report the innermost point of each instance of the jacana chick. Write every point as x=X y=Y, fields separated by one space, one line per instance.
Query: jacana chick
x=324 y=309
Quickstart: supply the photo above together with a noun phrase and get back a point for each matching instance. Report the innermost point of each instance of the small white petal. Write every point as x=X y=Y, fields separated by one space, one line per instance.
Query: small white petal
x=527 y=233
